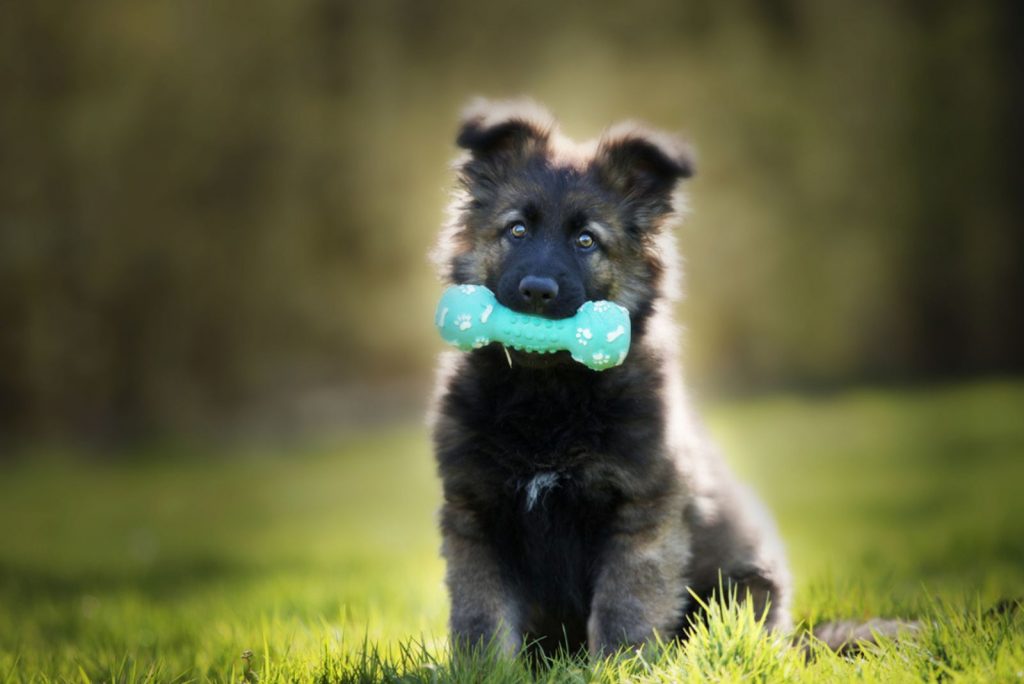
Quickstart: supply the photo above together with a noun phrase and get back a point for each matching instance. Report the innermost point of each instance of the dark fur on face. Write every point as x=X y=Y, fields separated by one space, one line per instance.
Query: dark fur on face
x=619 y=191
x=580 y=505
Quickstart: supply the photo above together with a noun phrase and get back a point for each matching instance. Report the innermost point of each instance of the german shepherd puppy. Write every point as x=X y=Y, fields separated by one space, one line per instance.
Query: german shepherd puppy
x=580 y=506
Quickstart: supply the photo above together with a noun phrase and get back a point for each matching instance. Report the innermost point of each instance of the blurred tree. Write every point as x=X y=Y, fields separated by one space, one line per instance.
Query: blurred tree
x=204 y=205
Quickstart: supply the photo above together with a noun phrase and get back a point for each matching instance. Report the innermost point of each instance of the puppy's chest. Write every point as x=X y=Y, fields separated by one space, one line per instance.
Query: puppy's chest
x=550 y=530
x=554 y=493
x=548 y=480
x=535 y=489
x=555 y=465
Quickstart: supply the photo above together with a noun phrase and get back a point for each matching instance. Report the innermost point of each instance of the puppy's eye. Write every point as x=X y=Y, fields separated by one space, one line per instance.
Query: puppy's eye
x=585 y=240
x=517 y=230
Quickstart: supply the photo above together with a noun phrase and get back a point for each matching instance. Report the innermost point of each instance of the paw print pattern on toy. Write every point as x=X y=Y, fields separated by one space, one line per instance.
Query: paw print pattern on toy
x=598 y=336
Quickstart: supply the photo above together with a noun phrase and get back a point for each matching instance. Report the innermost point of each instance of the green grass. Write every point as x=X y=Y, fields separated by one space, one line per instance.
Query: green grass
x=322 y=558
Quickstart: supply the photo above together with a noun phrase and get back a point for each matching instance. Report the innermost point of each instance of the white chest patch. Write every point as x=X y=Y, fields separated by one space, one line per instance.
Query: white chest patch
x=538 y=487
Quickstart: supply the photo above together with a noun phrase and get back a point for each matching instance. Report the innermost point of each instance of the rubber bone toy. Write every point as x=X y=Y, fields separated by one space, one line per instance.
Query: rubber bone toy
x=470 y=317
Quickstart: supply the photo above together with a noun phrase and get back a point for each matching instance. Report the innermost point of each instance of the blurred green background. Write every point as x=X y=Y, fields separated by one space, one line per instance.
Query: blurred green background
x=214 y=217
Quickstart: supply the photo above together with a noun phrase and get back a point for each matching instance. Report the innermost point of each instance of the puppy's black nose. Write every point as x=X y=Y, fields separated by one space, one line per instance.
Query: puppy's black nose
x=537 y=291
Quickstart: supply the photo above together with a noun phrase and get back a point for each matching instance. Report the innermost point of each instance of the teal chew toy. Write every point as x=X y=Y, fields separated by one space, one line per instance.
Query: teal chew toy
x=470 y=317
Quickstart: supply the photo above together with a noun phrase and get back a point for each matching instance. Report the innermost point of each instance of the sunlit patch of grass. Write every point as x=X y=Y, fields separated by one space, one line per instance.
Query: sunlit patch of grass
x=322 y=559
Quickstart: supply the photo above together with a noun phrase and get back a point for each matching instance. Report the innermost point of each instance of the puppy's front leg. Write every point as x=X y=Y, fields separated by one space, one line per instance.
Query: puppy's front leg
x=640 y=586
x=483 y=608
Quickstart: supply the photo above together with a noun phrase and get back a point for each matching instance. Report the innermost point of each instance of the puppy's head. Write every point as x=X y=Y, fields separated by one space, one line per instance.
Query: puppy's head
x=548 y=224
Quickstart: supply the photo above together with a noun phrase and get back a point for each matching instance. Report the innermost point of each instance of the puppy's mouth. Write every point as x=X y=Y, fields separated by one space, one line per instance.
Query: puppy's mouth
x=553 y=310
x=537 y=360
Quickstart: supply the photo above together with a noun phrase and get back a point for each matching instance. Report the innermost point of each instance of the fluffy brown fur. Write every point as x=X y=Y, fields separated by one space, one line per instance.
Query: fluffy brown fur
x=580 y=506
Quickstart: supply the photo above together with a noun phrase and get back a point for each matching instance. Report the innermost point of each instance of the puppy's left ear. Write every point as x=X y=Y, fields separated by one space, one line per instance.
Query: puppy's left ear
x=643 y=166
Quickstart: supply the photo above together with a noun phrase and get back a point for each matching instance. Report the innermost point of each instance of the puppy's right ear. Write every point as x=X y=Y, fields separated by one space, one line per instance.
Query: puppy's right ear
x=507 y=128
